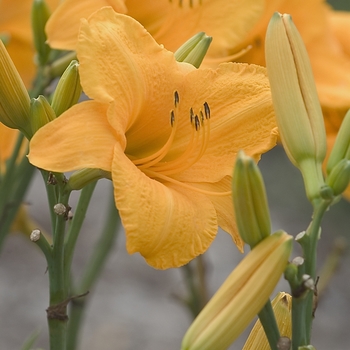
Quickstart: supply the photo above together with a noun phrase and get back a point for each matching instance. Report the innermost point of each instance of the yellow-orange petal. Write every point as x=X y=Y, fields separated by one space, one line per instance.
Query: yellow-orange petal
x=8 y=139
x=223 y=206
x=242 y=117
x=80 y=138
x=226 y=21
x=63 y=26
x=340 y=26
x=119 y=60
x=167 y=225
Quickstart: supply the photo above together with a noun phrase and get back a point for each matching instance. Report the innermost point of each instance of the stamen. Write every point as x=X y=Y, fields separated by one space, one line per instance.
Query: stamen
x=158 y=167
x=190 y=3
x=153 y=174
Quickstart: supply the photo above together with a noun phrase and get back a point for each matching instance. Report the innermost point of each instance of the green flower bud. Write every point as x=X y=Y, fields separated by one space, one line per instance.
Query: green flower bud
x=250 y=201
x=14 y=98
x=40 y=15
x=298 y=111
x=68 y=89
x=339 y=177
x=194 y=50
x=341 y=148
x=41 y=113
x=83 y=177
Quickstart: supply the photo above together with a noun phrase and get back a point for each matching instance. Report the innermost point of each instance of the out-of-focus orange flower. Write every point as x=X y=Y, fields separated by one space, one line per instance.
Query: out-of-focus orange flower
x=15 y=24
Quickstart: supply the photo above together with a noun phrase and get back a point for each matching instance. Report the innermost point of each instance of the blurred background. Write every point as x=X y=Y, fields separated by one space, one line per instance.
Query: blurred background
x=136 y=307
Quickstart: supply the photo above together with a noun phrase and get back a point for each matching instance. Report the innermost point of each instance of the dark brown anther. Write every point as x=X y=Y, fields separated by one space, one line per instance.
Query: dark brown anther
x=202 y=116
x=196 y=122
x=176 y=98
x=172 y=118
x=191 y=116
x=206 y=110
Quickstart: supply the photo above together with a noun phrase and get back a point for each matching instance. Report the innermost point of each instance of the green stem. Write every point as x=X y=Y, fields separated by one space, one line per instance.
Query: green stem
x=269 y=323
x=75 y=227
x=91 y=274
x=57 y=311
x=13 y=189
x=302 y=314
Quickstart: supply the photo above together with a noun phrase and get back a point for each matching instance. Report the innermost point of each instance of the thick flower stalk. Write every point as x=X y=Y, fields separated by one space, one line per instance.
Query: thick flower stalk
x=282 y=306
x=298 y=111
x=241 y=297
x=168 y=134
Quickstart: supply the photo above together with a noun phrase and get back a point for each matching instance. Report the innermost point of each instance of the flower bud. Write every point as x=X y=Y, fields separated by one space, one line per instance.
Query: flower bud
x=40 y=15
x=241 y=296
x=41 y=113
x=250 y=201
x=83 y=177
x=68 y=89
x=341 y=148
x=282 y=305
x=194 y=50
x=339 y=177
x=14 y=98
x=298 y=111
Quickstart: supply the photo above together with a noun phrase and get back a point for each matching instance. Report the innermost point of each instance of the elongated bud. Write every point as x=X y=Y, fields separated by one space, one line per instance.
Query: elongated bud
x=194 y=50
x=341 y=148
x=282 y=305
x=241 y=296
x=83 y=177
x=339 y=177
x=14 y=98
x=40 y=15
x=41 y=113
x=250 y=201
x=68 y=89
x=294 y=95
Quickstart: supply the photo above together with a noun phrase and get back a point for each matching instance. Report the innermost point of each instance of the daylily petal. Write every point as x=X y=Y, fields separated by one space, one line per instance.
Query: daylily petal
x=7 y=142
x=223 y=206
x=70 y=138
x=234 y=93
x=165 y=21
x=141 y=63
x=63 y=26
x=168 y=226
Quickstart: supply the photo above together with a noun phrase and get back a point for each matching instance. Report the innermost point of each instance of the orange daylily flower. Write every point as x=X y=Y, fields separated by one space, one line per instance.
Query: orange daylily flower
x=15 y=23
x=167 y=132
x=165 y=20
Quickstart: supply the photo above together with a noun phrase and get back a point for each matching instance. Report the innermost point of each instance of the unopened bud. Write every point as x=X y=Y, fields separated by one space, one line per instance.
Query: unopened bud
x=339 y=177
x=68 y=89
x=194 y=50
x=40 y=15
x=341 y=148
x=250 y=201
x=14 y=98
x=282 y=305
x=41 y=113
x=298 y=111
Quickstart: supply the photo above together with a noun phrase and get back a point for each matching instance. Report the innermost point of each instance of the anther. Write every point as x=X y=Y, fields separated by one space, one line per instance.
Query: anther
x=196 y=122
x=191 y=116
x=206 y=110
x=172 y=118
x=202 y=116
x=176 y=98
